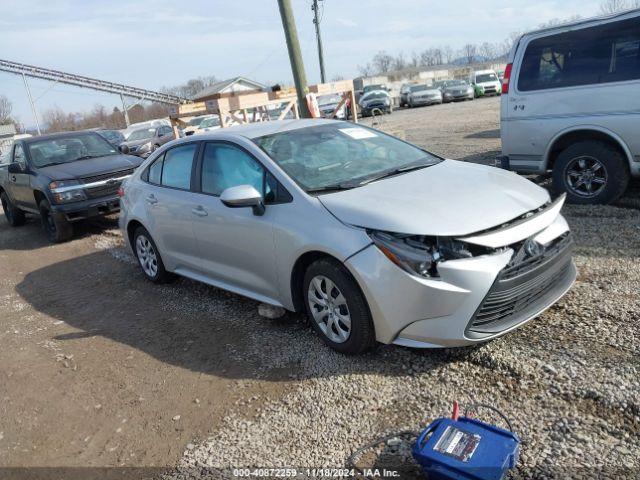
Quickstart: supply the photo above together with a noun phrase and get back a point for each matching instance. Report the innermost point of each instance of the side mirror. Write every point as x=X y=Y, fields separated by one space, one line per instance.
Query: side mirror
x=123 y=149
x=243 y=196
x=15 y=167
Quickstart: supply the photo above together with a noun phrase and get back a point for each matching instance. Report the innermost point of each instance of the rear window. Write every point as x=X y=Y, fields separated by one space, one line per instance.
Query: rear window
x=602 y=54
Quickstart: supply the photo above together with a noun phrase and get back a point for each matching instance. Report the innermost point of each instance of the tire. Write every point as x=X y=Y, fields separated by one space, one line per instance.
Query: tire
x=360 y=336
x=57 y=229
x=15 y=217
x=148 y=256
x=608 y=169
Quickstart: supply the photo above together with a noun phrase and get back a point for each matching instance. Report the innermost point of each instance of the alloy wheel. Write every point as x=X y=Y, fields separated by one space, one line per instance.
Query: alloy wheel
x=329 y=309
x=586 y=176
x=147 y=256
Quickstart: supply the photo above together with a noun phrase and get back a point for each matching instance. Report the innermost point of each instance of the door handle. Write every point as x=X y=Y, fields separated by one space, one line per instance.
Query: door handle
x=151 y=199
x=200 y=211
x=13 y=178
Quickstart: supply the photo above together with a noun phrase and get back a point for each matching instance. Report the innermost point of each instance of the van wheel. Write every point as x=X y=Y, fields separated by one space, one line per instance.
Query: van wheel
x=337 y=308
x=15 y=217
x=148 y=256
x=590 y=172
x=56 y=228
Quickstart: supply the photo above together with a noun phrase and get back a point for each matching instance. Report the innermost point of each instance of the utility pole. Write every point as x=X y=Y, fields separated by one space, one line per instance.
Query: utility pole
x=124 y=110
x=33 y=105
x=316 y=21
x=295 y=56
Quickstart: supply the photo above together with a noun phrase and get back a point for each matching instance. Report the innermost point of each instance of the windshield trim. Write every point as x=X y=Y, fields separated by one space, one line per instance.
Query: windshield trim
x=347 y=184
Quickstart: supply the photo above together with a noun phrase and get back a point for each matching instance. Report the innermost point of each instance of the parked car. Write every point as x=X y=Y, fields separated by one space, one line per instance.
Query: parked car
x=208 y=124
x=64 y=178
x=328 y=104
x=423 y=95
x=114 y=137
x=376 y=239
x=404 y=94
x=375 y=101
x=570 y=103
x=456 y=90
x=194 y=123
x=488 y=80
x=145 y=141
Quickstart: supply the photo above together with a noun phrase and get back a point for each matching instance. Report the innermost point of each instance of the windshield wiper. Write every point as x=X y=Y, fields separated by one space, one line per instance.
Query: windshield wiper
x=84 y=157
x=395 y=171
x=332 y=188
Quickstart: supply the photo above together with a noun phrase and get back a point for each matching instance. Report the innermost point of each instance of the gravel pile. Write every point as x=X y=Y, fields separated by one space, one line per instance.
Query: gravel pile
x=568 y=380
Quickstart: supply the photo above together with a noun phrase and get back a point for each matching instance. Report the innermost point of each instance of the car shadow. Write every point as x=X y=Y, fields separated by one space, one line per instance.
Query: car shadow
x=493 y=133
x=30 y=236
x=198 y=327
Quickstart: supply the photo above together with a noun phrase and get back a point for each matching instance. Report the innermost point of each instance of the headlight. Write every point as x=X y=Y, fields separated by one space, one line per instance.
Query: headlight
x=419 y=254
x=145 y=147
x=65 y=191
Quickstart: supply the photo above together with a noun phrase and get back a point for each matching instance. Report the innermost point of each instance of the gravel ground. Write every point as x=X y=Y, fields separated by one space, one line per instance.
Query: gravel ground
x=568 y=380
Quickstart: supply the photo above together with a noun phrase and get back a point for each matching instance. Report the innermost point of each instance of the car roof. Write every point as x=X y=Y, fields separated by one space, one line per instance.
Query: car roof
x=260 y=129
x=53 y=136
x=584 y=22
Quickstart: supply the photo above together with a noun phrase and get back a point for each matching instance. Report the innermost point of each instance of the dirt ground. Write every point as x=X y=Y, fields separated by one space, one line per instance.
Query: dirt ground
x=99 y=367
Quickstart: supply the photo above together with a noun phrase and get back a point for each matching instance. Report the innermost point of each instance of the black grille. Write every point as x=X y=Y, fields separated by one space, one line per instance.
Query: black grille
x=108 y=189
x=106 y=176
x=524 y=289
x=521 y=263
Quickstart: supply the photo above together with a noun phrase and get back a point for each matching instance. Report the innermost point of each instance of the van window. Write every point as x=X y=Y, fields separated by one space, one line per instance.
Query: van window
x=601 y=54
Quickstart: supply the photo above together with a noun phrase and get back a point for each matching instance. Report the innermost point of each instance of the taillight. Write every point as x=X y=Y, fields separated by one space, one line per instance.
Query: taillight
x=505 y=79
x=121 y=192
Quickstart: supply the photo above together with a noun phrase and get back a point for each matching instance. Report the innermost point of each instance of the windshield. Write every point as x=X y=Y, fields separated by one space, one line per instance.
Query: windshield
x=210 y=122
x=194 y=122
x=369 y=88
x=113 y=136
x=141 y=134
x=374 y=95
x=329 y=155
x=419 y=88
x=69 y=149
x=329 y=99
x=486 y=77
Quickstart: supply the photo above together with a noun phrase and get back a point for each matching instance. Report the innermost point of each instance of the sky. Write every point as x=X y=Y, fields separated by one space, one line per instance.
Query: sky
x=156 y=43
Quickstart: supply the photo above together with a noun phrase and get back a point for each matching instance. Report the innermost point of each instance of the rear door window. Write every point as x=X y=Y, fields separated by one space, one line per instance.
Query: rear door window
x=601 y=54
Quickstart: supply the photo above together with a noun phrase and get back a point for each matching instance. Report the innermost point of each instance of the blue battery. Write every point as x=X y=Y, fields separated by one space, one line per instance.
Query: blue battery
x=465 y=449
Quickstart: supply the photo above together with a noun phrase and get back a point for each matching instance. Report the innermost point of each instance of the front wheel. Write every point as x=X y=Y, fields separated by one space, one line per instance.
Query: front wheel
x=148 y=256
x=590 y=172
x=15 y=217
x=337 y=308
x=55 y=227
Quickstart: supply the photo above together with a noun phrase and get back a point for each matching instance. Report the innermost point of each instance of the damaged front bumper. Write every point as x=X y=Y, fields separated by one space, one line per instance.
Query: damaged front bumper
x=475 y=299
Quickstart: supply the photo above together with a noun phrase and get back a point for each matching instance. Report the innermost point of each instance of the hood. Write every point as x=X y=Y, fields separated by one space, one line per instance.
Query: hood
x=426 y=91
x=455 y=88
x=91 y=167
x=451 y=198
x=135 y=143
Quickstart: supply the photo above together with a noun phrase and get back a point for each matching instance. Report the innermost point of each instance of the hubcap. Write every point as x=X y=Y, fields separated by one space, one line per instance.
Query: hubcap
x=147 y=256
x=329 y=309
x=586 y=176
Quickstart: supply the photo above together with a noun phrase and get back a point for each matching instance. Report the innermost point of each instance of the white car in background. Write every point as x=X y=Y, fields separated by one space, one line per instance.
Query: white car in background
x=328 y=103
x=209 y=124
x=487 y=79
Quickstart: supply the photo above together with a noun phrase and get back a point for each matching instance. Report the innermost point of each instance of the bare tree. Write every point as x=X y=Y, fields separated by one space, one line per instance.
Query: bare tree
x=447 y=54
x=488 y=50
x=192 y=87
x=5 y=110
x=382 y=62
x=366 y=70
x=469 y=52
x=613 y=6
x=399 y=62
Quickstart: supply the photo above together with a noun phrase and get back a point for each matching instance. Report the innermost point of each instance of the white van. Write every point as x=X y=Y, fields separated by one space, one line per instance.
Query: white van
x=487 y=79
x=571 y=106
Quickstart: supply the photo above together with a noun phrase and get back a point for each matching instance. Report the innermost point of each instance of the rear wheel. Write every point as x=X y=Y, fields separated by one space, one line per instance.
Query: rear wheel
x=337 y=308
x=591 y=172
x=55 y=227
x=15 y=217
x=149 y=258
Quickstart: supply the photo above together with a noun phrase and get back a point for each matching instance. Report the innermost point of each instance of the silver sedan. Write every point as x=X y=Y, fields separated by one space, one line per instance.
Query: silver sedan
x=377 y=240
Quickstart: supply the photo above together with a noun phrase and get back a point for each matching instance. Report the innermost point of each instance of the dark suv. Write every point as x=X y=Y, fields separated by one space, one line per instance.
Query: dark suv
x=63 y=178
